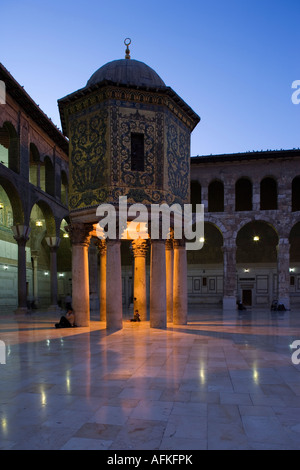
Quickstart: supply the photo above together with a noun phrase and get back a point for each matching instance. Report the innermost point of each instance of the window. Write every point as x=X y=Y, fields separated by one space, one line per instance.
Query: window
x=296 y=194
x=268 y=194
x=243 y=195
x=216 y=197
x=195 y=194
x=137 y=152
x=9 y=147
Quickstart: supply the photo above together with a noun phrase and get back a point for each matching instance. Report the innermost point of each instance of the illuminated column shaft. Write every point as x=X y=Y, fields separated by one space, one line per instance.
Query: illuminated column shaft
x=21 y=235
x=180 y=304
x=169 y=278
x=114 y=311
x=80 y=239
x=93 y=278
x=158 y=284
x=140 y=288
x=102 y=253
x=53 y=243
x=229 y=277
x=35 y=256
x=283 y=272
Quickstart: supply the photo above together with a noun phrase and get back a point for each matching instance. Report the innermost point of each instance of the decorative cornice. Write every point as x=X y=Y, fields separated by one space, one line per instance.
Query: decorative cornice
x=87 y=97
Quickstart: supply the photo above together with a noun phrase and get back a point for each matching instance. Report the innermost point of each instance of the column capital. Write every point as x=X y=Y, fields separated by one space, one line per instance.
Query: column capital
x=283 y=242
x=169 y=244
x=21 y=233
x=80 y=233
x=101 y=245
x=35 y=254
x=139 y=247
x=179 y=243
x=53 y=242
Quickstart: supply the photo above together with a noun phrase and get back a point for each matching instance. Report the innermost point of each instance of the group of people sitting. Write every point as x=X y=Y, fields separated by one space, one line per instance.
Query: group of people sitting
x=68 y=320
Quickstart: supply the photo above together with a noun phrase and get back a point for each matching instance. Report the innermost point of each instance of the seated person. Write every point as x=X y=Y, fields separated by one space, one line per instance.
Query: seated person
x=136 y=316
x=66 y=321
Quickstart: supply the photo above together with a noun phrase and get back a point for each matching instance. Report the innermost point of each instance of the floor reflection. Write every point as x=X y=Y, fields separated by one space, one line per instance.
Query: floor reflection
x=224 y=381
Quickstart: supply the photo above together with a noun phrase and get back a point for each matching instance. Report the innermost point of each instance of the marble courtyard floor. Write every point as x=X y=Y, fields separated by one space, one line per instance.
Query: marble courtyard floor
x=224 y=381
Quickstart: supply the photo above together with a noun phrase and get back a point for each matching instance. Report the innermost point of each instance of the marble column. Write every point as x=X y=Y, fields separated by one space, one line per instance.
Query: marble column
x=229 y=277
x=80 y=239
x=169 y=278
x=140 y=248
x=21 y=235
x=114 y=308
x=93 y=279
x=35 y=256
x=101 y=244
x=283 y=272
x=158 y=317
x=53 y=243
x=180 y=302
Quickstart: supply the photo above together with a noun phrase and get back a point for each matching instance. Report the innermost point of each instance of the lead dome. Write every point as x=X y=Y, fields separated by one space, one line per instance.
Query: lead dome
x=127 y=72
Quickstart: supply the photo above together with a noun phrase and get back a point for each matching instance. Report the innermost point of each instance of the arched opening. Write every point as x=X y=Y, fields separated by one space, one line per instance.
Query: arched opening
x=195 y=194
x=216 y=197
x=64 y=188
x=268 y=194
x=11 y=213
x=205 y=268
x=64 y=265
x=296 y=194
x=9 y=147
x=42 y=225
x=294 y=240
x=243 y=195
x=257 y=263
x=295 y=245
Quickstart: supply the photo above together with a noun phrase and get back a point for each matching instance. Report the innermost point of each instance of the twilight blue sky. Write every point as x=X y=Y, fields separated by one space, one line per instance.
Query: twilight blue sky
x=232 y=61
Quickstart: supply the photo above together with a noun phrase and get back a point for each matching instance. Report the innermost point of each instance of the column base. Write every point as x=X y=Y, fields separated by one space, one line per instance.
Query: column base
x=229 y=303
x=114 y=326
x=158 y=325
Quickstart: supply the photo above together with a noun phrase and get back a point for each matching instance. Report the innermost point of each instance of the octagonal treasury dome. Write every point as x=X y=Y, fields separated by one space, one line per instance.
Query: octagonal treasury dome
x=127 y=72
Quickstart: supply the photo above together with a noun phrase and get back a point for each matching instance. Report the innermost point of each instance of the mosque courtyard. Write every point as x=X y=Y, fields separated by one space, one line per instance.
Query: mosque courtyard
x=224 y=381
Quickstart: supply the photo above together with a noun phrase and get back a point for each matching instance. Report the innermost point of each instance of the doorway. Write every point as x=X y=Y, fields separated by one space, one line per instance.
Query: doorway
x=247 y=297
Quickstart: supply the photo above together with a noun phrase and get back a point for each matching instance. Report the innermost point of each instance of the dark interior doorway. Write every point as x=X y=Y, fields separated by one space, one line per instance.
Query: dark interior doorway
x=247 y=297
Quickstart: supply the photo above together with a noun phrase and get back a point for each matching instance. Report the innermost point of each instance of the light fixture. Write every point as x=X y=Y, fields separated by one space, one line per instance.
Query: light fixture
x=256 y=238
x=46 y=273
x=39 y=223
x=292 y=270
x=5 y=267
x=201 y=239
x=246 y=270
x=1 y=205
x=61 y=275
x=65 y=235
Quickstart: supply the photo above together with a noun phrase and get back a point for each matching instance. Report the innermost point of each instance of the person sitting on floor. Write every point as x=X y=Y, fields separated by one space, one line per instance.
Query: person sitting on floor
x=136 y=316
x=66 y=321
